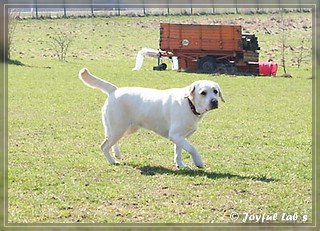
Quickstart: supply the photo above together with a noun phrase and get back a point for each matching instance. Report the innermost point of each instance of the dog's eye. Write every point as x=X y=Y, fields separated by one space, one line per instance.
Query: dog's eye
x=203 y=93
x=215 y=91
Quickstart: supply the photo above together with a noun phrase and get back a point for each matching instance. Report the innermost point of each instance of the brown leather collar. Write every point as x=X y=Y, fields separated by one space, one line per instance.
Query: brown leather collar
x=193 y=108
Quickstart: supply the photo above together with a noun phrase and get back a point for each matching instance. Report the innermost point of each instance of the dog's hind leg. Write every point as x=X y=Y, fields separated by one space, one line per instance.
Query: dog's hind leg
x=116 y=151
x=113 y=132
x=105 y=147
x=111 y=140
x=115 y=147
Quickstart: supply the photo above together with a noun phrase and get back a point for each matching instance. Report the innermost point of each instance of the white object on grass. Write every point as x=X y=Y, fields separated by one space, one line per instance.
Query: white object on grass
x=140 y=56
x=175 y=63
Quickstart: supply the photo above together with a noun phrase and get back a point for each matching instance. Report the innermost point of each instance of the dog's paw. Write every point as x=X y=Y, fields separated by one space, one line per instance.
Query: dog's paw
x=187 y=167
x=118 y=155
x=184 y=167
x=113 y=162
x=117 y=152
x=200 y=165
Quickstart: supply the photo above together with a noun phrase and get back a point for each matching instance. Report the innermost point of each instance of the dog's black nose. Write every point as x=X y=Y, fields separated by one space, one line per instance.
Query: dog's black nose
x=214 y=104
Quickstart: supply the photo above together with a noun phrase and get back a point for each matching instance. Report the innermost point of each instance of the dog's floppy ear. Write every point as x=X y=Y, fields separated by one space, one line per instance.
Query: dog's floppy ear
x=190 y=92
x=220 y=95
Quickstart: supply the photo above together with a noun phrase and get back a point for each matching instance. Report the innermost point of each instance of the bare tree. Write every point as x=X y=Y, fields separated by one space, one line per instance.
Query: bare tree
x=283 y=41
x=12 y=25
x=299 y=52
x=60 y=43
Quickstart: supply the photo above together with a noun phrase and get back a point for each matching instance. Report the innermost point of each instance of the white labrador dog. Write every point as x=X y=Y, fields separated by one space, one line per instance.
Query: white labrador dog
x=172 y=113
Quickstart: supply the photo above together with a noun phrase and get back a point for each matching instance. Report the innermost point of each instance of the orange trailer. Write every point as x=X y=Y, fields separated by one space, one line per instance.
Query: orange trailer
x=210 y=48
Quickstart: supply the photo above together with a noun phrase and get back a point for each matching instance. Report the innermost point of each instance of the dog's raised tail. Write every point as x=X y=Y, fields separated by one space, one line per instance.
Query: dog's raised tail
x=92 y=81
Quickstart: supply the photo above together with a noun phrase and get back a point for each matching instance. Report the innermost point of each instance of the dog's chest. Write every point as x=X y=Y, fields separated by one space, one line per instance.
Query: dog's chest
x=189 y=130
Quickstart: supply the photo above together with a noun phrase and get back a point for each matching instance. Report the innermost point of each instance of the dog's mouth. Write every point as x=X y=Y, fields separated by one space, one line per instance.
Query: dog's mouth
x=210 y=109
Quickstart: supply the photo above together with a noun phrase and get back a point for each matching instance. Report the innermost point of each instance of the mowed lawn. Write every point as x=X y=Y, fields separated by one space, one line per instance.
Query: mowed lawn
x=257 y=147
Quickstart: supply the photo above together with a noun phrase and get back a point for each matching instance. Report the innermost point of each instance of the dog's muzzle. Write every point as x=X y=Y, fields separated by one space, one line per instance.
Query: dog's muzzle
x=214 y=104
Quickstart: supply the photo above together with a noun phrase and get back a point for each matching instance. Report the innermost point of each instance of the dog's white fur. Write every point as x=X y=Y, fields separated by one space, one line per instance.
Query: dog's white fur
x=166 y=112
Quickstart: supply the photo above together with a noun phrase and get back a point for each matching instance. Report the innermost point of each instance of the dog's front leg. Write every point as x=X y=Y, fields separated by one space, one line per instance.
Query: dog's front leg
x=178 y=158
x=180 y=141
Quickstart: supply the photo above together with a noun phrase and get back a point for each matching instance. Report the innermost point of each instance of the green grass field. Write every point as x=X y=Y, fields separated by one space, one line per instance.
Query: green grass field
x=257 y=147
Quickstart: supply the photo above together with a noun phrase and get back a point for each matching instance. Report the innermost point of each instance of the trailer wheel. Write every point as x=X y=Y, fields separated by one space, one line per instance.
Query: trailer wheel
x=232 y=70
x=228 y=69
x=221 y=68
x=207 y=64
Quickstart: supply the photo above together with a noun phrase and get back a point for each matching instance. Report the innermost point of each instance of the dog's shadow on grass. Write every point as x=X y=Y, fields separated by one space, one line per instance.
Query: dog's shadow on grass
x=154 y=170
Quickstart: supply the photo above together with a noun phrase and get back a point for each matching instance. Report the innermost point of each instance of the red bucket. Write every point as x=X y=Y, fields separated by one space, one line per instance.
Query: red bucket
x=268 y=68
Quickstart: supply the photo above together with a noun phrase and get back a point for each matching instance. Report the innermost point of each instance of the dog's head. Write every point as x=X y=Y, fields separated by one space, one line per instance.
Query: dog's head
x=204 y=94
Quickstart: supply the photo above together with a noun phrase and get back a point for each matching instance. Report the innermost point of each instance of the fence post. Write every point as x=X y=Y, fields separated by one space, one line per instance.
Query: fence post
x=237 y=10
x=92 y=14
x=300 y=9
x=212 y=6
x=144 y=9
x=64 y=9
x=118 y=12
x=36 y=7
